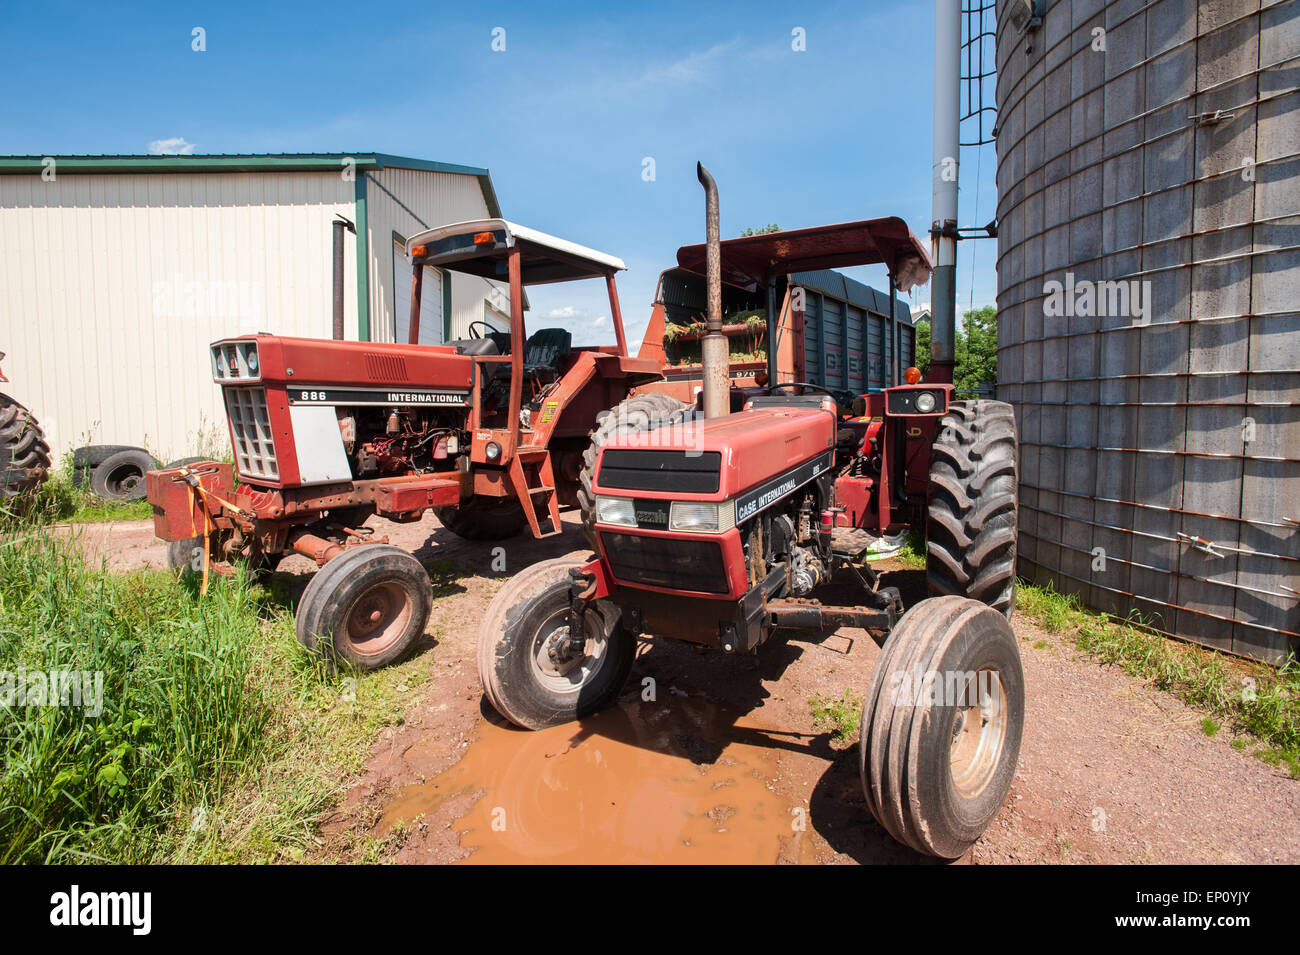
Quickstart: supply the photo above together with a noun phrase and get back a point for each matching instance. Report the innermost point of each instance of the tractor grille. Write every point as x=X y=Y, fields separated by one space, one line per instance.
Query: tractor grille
x=680 y=471
x=251 y=427
x=664 y=562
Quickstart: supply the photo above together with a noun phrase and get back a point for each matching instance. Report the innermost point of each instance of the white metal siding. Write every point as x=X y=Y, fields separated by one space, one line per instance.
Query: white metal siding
x=430 y=199
x=430 y=300
x=114 y=285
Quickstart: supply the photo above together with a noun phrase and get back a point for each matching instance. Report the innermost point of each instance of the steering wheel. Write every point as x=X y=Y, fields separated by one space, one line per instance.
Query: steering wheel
x=805 y=385
x=479 y=334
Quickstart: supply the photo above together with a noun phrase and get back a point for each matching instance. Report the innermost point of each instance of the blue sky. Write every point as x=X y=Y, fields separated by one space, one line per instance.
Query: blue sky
x=564 y=117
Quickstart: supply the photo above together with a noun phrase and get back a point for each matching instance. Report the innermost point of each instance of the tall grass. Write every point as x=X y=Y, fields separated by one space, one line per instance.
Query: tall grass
x=182 y=717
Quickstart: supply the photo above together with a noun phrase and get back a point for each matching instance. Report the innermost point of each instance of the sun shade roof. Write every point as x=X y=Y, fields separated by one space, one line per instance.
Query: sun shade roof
x=543 y=258
x=749 y=260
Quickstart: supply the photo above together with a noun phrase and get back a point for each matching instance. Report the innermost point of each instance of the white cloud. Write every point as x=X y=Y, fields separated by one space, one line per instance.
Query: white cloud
x=600 y=320
x=175 y=146
x=566 y=311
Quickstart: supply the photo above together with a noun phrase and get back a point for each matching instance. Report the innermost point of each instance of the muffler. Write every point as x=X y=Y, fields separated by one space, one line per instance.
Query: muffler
x=715 y=354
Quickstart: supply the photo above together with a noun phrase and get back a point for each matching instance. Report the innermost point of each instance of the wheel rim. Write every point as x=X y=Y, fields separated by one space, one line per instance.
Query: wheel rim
x=979 y=732
x=123 y=480
x=568 y=676
x=378 y=618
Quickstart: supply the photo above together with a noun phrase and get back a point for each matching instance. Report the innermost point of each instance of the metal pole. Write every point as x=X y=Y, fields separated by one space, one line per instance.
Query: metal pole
x=943 y=224
x=417 y=293
x=714 y=354
x=339 y=225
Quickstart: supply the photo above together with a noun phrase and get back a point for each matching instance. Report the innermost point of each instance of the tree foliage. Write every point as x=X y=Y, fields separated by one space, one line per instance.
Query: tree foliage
x=976 y=349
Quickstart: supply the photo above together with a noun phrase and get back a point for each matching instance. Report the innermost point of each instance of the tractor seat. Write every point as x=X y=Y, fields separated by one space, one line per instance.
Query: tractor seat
x=545 y=349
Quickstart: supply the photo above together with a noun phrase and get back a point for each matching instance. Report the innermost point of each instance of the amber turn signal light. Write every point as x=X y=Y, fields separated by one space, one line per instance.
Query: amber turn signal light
x=484 y=238
x=419 y=251
x=912 y=375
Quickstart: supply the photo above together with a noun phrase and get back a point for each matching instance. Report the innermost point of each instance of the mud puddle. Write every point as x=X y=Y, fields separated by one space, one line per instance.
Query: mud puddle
x=680 y=781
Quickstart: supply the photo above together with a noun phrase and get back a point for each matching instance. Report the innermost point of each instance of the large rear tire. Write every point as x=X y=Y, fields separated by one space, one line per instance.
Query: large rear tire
x=642 y=413
x=483 y=518
x=971 y=526
x=527 y=616
x=941 y=725
x=24 y=453
x=369 y=606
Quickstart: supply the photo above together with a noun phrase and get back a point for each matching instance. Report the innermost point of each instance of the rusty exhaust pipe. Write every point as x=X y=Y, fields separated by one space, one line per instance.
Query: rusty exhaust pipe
x=714 y=353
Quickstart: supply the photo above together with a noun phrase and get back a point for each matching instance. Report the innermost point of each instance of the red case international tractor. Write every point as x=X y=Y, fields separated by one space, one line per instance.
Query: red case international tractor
x=24 y=453
x=489 y=432
x=721 y=530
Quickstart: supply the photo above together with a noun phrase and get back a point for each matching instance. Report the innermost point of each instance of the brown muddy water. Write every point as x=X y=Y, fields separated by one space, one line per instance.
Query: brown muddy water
x=682 y=780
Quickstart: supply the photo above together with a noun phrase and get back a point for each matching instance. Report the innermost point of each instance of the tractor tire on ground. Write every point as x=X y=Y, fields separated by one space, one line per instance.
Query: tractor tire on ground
x=483 y=518
x=520 y=680
x=641 y=413
x=90 y=456
x=941 y=725
x=120 y=477
x=368 y=606
x=24 y=453
x=971 y=525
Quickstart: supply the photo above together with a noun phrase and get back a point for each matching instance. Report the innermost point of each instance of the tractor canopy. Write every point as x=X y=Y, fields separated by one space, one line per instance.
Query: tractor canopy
x=481 y=246
x=752 y=260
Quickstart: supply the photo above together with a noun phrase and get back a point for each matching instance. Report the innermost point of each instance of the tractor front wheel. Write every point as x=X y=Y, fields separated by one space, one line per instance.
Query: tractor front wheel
x=971 y=523
x=941 y=725
x=529 y=671
x=368 y=606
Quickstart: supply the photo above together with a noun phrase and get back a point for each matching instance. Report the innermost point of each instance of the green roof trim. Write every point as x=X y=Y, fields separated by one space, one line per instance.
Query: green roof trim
x=244 y=162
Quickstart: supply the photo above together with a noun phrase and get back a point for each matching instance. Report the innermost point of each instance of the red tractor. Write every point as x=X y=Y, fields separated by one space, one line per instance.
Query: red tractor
x=721 y=531
x=489 y=432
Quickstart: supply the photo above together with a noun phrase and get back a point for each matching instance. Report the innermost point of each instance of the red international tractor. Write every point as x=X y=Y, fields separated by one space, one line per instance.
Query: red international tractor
x=722 y=530
x=489 y=432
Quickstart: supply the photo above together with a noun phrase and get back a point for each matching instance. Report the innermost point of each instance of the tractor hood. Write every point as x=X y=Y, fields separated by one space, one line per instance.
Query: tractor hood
x=720 y=458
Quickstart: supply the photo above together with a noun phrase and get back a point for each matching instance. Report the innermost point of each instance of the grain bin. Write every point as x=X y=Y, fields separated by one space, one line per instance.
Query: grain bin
x=1148 y=281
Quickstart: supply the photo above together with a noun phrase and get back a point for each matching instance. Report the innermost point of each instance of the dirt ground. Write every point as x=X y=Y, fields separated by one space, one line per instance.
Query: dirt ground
x=709 y=757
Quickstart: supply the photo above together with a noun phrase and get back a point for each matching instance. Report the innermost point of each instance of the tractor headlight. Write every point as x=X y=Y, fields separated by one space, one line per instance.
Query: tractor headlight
x=925 y=402
x=250 y=357
x=701 y=516
x=493 y=451
x=615 y=510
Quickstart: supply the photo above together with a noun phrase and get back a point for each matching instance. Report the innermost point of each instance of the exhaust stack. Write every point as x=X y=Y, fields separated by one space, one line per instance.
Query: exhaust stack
x=715 y=355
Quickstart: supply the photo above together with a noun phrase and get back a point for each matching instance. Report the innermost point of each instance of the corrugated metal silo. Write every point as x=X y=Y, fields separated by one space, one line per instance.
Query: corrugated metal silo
x=1148 y=287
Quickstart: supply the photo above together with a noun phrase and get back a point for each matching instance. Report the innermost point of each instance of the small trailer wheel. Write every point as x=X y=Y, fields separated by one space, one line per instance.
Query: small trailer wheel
x=523 y=675
x=369 y=605
x=941 y=725
x=120 y=477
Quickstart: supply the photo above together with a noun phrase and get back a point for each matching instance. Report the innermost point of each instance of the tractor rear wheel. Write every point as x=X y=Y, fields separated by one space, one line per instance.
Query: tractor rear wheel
x=525 y=675
x=971 y=526
x=641 y=413
x=941 y=725
x=24 y=453
x=368 y=606
x=483 y=518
